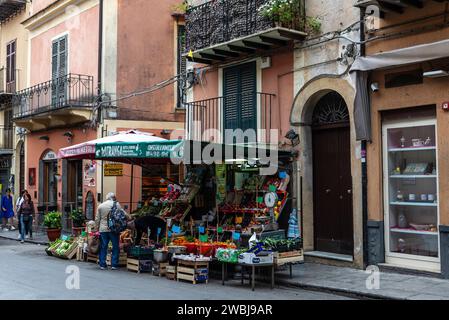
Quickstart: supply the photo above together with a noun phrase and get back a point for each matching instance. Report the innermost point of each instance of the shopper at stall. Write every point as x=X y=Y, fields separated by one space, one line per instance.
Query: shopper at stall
x=7 y=211
x=106 y=235
x=152 y=223
x=18 y=204
x=25 y=215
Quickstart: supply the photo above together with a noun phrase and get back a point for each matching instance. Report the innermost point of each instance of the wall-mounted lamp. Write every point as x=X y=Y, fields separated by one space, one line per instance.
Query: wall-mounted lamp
x=45 y=138
x=293 y=137
x=69 y=135
x=436 y=74
x=165 y=132
x=374 y=86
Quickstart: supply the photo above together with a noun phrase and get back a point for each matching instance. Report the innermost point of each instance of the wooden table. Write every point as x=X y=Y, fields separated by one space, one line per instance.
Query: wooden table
x=253 y=267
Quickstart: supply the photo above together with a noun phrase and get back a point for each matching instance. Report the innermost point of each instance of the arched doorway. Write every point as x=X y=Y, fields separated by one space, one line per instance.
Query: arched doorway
x=332 y=179
x=48 y=182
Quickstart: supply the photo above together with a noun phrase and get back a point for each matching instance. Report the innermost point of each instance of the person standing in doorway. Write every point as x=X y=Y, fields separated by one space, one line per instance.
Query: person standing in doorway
x=106 y=235
x=25 y=215
x=7 y=211
x=18 y=204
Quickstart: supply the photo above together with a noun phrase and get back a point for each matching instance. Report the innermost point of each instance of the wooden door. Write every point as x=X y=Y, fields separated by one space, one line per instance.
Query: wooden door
x=333 y=221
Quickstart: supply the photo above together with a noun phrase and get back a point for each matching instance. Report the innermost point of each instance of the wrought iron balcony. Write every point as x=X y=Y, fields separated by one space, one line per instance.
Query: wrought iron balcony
x=61 y=97
x=8 y=8
x=222 y=29
x=205 y=115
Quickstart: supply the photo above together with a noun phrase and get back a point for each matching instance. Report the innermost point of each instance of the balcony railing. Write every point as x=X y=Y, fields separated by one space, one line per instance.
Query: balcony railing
x=205 y=115
x=9 y=8
x=6 y=137
x=220 y=21
x=72 y=90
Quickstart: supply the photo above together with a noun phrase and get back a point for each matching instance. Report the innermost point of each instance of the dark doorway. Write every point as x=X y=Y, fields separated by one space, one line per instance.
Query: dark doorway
x=75 y=184
x=22 y=168
x=50 y=182
x=332 y=180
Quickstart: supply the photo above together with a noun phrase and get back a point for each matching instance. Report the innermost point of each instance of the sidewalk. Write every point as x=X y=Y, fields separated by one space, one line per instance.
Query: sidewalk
x=38 y=237
x=353 y=282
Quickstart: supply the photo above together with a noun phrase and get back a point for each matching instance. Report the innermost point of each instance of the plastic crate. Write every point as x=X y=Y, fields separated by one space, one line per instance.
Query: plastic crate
x=141 y=253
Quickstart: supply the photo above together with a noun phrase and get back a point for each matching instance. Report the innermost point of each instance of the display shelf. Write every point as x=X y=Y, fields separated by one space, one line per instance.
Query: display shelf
x=405 y=176
x=413 y=231
x=414 y=204
x=412 y=149
x=241 y=211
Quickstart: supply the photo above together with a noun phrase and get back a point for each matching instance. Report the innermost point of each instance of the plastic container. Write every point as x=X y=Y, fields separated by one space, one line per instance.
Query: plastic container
x=206 y=249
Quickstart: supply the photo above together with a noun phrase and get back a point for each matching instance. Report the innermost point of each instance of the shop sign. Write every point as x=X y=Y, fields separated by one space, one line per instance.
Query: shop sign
x=50 y=155
x=139 y=150
x=113 y=170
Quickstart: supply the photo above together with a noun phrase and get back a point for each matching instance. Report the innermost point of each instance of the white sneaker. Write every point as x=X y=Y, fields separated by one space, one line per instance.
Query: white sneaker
x=5 y=229
x=19 y=236
x=27 y=237
x=12 y=228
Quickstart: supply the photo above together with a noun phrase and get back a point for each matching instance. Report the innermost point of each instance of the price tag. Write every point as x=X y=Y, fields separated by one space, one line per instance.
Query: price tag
x=282 y=174
x=204 y=238
x=272 y=188
x=169 y=233
x=236 y=236
x=259 y=199
x=220 y=230
x=176 y=229
x=201 y=229
x=64 y=238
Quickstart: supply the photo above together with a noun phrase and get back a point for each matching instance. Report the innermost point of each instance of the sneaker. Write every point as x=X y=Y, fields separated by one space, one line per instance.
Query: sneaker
x=31 y=237
x=115 y=268
x=22 y=241
x=102 y=268
x=27 y=237
x=19 y=237
x=5 y=229
x=12 y=228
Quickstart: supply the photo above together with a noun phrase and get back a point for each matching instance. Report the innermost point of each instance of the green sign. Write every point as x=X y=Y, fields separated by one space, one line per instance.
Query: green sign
x=259 y=199
x=152 y=150
x=220 y=230
x=272 y=188
x=204 y=238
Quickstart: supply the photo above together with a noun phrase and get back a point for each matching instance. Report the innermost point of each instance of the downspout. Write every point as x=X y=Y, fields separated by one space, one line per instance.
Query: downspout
x=364 y=164
x=99 y=84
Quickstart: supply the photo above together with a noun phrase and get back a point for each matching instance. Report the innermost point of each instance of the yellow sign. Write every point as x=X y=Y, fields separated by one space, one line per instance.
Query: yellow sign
x=113 y=170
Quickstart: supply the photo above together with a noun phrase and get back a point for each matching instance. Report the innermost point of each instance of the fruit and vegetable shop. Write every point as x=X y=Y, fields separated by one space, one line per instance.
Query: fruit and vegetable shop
x=220 y=220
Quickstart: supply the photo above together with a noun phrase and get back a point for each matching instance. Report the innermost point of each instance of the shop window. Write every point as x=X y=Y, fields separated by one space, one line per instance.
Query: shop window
x=401 y=79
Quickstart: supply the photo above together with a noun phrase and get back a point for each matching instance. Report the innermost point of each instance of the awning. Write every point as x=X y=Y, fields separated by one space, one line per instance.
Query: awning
x=86 y=150
x=388 y=59
x=184 y=151
x=400 y=57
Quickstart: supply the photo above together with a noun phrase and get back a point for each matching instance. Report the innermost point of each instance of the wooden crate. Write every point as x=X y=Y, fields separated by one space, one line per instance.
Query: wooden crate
x=192 y=270
x=288 y=257
x=160 y=269
x=122 y=260
x=92 y=258
x=135 y=265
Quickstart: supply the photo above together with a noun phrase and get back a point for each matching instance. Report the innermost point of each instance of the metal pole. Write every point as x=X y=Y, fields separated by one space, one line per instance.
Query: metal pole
x=131 y=190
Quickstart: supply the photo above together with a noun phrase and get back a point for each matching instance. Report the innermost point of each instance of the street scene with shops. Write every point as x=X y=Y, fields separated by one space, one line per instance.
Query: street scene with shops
x=224 y=150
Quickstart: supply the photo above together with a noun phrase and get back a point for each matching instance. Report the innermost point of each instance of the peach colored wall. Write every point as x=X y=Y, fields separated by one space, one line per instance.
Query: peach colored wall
x=35 y=149
x=146 y=56
x=38 y=5
x=83 y=48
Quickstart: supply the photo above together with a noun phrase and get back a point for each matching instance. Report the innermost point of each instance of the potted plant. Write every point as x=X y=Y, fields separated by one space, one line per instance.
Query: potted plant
x=78 y=222
x=53 y=223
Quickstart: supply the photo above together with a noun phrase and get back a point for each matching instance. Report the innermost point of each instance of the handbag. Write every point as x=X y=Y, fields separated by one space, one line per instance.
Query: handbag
x=93 y=245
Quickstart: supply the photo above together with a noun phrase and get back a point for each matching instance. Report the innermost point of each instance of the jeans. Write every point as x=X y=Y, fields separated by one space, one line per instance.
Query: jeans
x=105 y=237
x=25 y=227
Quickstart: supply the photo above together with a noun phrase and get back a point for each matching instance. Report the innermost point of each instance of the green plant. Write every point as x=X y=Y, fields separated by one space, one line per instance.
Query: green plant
x=78 y=218
x=313 y=25
x=181 y=7
x=53 y=220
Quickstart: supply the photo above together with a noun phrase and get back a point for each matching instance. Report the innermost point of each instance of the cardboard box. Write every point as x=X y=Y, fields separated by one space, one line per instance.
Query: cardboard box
x=251 y=258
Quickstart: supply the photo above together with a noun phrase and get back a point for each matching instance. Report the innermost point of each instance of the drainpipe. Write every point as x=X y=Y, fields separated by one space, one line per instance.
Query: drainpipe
x=99 y=84
x=364 y=161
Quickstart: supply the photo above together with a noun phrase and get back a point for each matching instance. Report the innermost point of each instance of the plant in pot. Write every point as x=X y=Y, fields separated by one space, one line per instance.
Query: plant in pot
x=53 y=223
x=78 y=222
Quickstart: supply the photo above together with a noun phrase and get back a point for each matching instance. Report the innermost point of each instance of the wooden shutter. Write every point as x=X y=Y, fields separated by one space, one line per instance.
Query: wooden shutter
x=11 y=67
x=240 y=97
x=59 y=70
x=181 y=64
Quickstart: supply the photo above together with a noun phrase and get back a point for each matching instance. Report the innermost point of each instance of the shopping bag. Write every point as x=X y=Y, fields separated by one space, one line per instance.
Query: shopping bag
x=93 y=245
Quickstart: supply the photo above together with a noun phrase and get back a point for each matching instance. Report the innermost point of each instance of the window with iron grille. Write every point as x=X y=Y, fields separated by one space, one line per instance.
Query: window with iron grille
x=181 y=64
x=11 y=66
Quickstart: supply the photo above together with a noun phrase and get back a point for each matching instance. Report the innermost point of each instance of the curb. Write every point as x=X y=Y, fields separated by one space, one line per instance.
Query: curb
x=342 y=292
x=44 y=243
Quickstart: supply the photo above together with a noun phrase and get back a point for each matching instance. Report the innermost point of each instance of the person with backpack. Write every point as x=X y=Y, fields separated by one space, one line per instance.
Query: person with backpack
x=110 y=221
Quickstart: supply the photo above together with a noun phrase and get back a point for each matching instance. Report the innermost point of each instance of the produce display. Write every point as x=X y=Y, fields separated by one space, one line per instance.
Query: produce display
x=282 y=245
x=62 y=248
x=228 y=255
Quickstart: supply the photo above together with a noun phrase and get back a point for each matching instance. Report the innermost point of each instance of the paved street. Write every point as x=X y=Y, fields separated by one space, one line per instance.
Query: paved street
x=31 y=274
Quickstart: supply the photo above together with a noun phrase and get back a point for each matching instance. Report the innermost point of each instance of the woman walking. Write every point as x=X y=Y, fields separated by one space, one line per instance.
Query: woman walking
x=7 y=211
x=26 y=213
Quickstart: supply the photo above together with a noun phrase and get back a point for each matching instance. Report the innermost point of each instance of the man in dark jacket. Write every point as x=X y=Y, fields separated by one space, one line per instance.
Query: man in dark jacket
x=153 y=223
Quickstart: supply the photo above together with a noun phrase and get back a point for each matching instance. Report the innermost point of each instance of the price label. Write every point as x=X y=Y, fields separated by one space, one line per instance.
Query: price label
x=169 y=233
x=220 y=230
x=176 y=229
x=203 y=238
x=272 y=188
x=201 y=229
x=236 y=236
x=259 y=199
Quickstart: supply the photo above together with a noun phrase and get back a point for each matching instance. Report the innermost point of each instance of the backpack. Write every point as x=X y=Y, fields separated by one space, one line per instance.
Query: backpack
x=116 y=219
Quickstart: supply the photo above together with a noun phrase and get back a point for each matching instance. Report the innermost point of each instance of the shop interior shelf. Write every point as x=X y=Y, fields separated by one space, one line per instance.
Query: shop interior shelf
x=415 y=204
x=412 y=231
x=240 y=211
x=406 y=176
x=412 y=149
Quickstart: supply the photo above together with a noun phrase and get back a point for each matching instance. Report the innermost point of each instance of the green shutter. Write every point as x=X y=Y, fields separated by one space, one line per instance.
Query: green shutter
x=58 y=70
x=239 y=102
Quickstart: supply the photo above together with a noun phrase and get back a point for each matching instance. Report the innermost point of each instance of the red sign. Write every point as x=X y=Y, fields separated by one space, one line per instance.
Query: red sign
x=446 y=106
